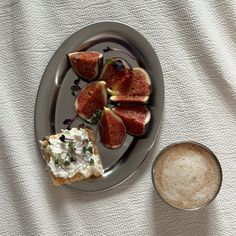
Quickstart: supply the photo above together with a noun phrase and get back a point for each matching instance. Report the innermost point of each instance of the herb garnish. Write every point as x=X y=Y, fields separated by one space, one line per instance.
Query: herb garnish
x=96 y=117
x=66 y=163
x=91 y=161
x=57 y=163
x=76 y=81
x=89 y=149
x=71 y=155
x=74 y=88
x=71 y=146
x=69 y=121
x=66 y=121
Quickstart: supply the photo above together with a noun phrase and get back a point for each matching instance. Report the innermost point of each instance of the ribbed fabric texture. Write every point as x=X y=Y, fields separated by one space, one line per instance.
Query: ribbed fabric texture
x=196 y=44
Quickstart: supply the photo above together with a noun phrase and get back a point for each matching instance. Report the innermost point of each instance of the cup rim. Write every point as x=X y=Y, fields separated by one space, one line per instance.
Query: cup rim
x=186 y=142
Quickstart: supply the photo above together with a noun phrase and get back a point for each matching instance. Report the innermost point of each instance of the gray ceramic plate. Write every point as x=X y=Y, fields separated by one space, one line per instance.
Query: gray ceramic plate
x=55 y=103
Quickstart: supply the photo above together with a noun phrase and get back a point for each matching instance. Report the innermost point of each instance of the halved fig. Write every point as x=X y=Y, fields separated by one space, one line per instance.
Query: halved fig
x=138 y=84
x=112 y=129
x=86 y=64
x=126 y=84
x=135 y=117
x=92 y=97
x=113 y=74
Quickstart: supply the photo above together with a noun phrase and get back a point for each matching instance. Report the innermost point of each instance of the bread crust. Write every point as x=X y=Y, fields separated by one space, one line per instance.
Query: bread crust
x=78 y=176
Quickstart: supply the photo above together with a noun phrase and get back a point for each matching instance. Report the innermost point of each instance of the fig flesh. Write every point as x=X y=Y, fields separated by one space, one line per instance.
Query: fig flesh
x=92 y=97
x=135 y=84
x=86 y=64
x=135 y=117
x=129 y=99
x=112 y=74
x=138 y=84
x=112 y=129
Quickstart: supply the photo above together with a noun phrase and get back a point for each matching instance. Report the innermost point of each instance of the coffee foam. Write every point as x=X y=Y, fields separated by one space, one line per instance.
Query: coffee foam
x=187 y=176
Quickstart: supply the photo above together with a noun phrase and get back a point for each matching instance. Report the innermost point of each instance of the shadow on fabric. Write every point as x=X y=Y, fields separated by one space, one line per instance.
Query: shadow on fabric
x=170 y=221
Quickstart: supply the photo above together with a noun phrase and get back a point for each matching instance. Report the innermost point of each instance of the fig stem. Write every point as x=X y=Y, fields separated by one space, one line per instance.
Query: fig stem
x=108 y=49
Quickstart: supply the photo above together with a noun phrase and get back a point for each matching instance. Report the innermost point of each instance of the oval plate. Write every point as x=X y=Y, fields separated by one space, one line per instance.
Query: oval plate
x=55 y=103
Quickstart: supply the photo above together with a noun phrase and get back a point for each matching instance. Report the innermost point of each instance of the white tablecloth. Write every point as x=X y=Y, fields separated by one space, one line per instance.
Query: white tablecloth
x=196 y=44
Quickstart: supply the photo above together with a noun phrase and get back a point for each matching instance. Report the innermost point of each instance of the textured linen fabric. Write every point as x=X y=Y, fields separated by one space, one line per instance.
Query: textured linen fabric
x=196 y=44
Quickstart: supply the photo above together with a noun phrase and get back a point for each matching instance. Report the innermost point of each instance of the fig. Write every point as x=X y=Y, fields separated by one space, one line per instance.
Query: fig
x=112 y=129
x=135 y=117
x=86 y=64
x=92 y=97
x=112 y=73
x=136 y=84
x=126 y=84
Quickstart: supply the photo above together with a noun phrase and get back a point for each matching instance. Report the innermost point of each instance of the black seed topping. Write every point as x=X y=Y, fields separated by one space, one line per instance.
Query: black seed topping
x=62 y=138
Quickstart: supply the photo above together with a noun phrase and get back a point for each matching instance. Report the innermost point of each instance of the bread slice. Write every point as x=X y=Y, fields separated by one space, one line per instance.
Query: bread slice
x=78 y=176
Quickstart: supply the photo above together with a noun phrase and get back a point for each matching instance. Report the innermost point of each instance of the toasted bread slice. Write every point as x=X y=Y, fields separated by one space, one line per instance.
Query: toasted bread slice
x=78 y=176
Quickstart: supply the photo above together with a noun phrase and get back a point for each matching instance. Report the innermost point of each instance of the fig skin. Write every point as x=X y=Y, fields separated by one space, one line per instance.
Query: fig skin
x=128 y=85
x=138 y=83
x=87 y=64
x=136 y=118
x=92 y=97
x=111 y=75
x=112 y=129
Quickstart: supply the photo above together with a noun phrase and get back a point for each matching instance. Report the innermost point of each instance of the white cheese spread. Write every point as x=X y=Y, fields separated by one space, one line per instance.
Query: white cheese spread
x=71 y=153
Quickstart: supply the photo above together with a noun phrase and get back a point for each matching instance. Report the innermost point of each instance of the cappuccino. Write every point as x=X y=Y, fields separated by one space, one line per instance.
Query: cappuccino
x=187 y=175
